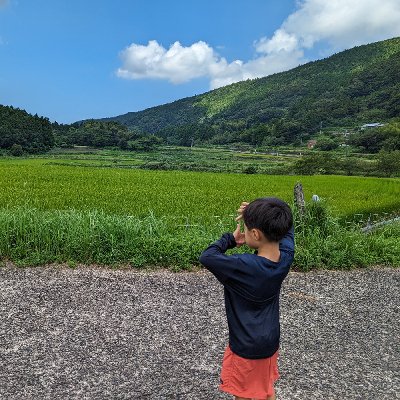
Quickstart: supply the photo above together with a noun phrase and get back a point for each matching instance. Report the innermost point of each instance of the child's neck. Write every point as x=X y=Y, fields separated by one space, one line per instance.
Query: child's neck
x=269 y=250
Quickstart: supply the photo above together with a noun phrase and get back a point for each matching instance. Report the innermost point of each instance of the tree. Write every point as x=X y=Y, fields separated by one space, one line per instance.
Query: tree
x=370 y=140
x=145 y=143
x=317 y=163
x=250 y=169
x=389 y=162
x=326 y=144
x=94 y=133
x=392 y=134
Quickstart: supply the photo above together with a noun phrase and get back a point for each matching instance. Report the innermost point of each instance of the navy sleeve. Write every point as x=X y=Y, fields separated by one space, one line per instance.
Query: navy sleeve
x=287 y=243
x=213 y=258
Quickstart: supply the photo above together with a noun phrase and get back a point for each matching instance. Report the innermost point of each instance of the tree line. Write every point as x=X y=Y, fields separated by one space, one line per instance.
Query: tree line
x=99 y=134
x=23 y=133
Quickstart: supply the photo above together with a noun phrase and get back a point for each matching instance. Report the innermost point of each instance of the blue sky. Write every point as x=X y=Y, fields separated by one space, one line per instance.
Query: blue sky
x=70 y=60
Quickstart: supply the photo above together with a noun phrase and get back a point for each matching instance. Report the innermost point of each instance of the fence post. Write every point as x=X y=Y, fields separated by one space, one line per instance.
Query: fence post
x=299 y=198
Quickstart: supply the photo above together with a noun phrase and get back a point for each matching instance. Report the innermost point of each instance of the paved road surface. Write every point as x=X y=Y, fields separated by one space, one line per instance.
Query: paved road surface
x=95 y=333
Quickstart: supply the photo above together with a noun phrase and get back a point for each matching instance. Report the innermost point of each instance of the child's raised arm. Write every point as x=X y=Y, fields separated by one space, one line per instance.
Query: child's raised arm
x=287 y=243
x=217 y=262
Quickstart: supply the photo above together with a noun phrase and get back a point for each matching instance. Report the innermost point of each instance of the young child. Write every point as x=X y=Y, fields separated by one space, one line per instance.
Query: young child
x=252 y=284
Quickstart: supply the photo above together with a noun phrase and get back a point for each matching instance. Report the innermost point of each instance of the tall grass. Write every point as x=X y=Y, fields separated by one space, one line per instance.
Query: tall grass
x=31 y=237
x=324 y=241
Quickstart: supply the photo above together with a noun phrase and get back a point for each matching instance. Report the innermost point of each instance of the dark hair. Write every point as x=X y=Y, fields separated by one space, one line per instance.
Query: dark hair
x=272 y=216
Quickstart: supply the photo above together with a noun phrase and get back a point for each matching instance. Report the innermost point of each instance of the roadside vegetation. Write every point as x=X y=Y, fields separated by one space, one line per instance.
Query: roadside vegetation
x=34 y=237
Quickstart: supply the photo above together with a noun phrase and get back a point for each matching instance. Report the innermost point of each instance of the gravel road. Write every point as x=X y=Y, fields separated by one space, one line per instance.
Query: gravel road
x=97 y=333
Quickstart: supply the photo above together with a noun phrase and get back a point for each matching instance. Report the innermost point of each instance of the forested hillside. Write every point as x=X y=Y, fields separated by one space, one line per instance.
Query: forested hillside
x=23 y=132
x=350 y=88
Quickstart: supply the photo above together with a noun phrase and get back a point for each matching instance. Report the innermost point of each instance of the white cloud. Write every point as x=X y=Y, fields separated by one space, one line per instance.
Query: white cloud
x=281 y=40
x=343 y=23
x=338 y=24
x=180 y=64
x=266 y=64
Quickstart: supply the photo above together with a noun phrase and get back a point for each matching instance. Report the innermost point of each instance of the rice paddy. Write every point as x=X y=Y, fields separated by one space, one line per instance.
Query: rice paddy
x=64 y=212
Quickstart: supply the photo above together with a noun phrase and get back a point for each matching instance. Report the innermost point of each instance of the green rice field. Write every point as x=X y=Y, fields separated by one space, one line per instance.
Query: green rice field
x=55 y=212
x=37 y=183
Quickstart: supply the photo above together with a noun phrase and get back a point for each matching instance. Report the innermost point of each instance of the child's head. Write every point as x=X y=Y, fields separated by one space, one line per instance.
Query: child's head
x=272 y=216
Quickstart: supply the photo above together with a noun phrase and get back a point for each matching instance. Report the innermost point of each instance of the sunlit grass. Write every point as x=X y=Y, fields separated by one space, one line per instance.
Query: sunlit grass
x=85 y=214
x=38 y=184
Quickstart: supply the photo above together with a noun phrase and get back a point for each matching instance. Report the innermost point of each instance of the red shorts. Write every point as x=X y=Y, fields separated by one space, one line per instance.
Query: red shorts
x=247 y=378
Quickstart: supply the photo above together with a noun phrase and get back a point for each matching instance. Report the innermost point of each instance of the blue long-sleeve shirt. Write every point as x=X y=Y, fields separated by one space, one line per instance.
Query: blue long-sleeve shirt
x=251 y=289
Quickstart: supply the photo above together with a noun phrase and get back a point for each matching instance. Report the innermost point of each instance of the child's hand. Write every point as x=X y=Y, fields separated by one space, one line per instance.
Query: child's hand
x=239 y=236
x=240 y=210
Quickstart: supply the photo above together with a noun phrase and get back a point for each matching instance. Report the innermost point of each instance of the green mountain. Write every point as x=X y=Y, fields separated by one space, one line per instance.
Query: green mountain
x=354 y=87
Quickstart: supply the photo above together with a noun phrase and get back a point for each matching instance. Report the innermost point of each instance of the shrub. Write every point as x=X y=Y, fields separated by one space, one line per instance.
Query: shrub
x=251 y=169
x=16 y=150
x=389 y=162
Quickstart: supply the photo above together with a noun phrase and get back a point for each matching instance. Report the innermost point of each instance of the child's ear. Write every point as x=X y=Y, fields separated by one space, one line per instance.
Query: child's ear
x=256 y=234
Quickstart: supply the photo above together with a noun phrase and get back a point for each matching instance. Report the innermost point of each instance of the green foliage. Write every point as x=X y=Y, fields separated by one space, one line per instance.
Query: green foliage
x=324 y=163
x=391 y=134
x=326 y=144
x=33 y=237
x=316 y=163
x=93 y=133
x=317 y=219
x=16 y=150
x=389 y=162
x=145 y=143
x=22 y=132
x=323 y=241
x=384 y=139
x=86 y=184
x=251 y=169
x=37 y=237
x=99 y=134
